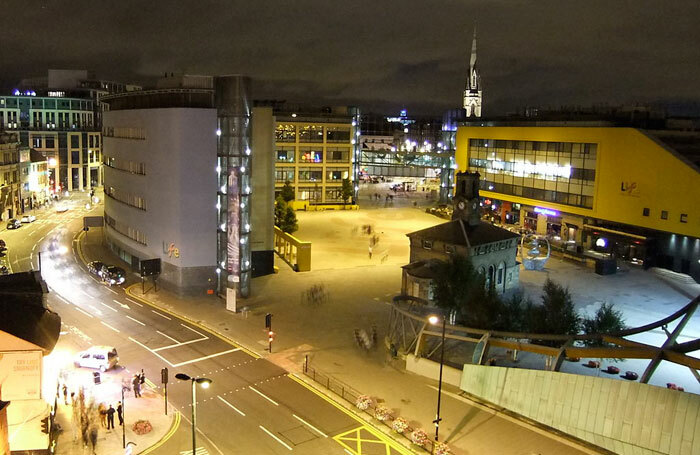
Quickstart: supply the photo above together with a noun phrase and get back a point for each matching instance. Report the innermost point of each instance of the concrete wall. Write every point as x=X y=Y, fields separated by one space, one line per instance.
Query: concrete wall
x=625 y=417
x=179 y=153
x=430 y=369
x=263 y=191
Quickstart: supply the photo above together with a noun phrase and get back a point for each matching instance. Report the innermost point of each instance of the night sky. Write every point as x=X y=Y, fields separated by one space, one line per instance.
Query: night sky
x=380 y=55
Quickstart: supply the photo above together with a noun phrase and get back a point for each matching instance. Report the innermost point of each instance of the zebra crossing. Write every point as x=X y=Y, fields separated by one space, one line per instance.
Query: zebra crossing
x=199 y=451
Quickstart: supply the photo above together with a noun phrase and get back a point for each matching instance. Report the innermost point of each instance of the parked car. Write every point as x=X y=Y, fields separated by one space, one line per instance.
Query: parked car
x=111 y=274
x=98 y=357
x=14 y=223
x=28 y=219
x=3 y=244
x=4 y=270
x=95 y=267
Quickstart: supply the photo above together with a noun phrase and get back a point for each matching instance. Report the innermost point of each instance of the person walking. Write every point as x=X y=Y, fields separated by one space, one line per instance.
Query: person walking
x=136 y=382
x=65 y=394
x=93 y=439
x=120 y=413
x=102 y=411
x=370 y=251
x=110 y=418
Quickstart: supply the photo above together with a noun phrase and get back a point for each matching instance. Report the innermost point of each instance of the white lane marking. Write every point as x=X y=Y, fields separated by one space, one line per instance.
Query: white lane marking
x=110 y=290
x=161 y=315
x=123 y=305
x=152 y=352
x=231 y=406
x=348 y=452
x=134 y=302
x=310 y=426
x=206 y=357
x=168 y=336
x=199 y=451
x=83 y=311
x=104 y=304
x=276 y=438
x=203 y=435
x=135 y=320
x=198 y=333
x=66 y=301
x=83 y=291
x=31 y=258
x=263 y=395
x=180 y=344
x=107 y=325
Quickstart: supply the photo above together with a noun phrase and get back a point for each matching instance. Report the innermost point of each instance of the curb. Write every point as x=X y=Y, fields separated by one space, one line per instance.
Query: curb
x=175 y=423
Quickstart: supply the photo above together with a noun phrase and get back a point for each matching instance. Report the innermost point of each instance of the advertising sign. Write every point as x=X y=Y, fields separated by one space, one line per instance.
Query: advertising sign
x=233 y=226
x=20 y=375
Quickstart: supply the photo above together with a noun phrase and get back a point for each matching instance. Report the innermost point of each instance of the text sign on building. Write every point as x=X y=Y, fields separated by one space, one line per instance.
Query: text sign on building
x=545 y=211
x=233 y=226
x=20 y=375
x=629 y=188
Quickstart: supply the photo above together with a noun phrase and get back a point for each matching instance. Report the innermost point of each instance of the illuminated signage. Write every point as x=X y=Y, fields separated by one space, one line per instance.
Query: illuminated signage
x=171 y=250
x=57 y=94
x=520 y=169
x=544 y=211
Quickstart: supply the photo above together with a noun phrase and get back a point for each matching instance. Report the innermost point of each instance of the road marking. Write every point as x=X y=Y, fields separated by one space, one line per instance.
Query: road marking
x=205 y=357
x=199 y=451
x=168 y=336
x=161 y=315
x=231 y=406
x=263 y=395
x=107 y=325
x=123 y=305
x=348 y=452
x=110 y=290
x=276 y=438
x=180 y=344
x=198 y=333
x=83 y=311
x=152 y=352
x=104 y=304
x=66 y=301
x=135 y=320
x=310 y=426
x=89 y=296
x=134 y=302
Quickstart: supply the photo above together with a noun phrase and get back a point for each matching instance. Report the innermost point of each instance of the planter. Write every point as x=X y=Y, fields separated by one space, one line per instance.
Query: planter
x=399 y=425
x=142 y=427
x=382 y=413
x=364 y=402
x=419 y=438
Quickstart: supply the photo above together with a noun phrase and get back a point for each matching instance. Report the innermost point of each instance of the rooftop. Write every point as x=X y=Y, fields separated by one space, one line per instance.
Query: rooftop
x=459 y=232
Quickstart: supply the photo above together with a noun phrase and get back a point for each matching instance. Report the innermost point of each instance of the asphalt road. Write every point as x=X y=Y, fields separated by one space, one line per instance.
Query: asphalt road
x=252 y=406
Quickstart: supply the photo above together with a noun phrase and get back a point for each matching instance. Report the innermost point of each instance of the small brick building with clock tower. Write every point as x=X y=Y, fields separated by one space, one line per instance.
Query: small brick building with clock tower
x=492 y=250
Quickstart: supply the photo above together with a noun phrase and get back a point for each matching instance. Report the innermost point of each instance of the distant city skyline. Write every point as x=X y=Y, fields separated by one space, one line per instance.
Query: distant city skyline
x=382 y=56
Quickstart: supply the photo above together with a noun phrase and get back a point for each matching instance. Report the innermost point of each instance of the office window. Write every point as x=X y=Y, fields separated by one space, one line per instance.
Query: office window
x=310 y=155
x=285 y=133
x=427 y=244
x=337 y=155
x=311 y=194
x=334 y=195
x=336 y=174
x=311 y=133
x=664 y=214
x=645 y=211
x=684 y=217
x=36 y=142
x=75 y=141
x=337 y=134
x=284 y=174
x=285 y=154
x=49 y=142
x=310 y=174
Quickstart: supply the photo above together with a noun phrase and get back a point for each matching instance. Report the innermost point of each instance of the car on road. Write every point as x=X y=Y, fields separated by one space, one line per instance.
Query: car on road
x=99 y=357
x=3 y=244
x=28 y=219
x=4 y=270
x=111 y=274
x=95 y=267
x=14 y=223
x=61 y=208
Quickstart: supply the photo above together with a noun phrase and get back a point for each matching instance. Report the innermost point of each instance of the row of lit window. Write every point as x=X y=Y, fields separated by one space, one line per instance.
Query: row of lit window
x=126 y=198
x=133 y=234
x=124 y=133
x=133 y=167
x=333 y=175
x=540 y=194
x=562 y=147
x=285 y=132
x=312 y=155
x=46 y=103
x=315 y=194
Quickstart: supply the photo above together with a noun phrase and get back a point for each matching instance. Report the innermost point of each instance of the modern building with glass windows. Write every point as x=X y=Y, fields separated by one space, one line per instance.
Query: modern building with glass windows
x=315 y=151
x=595 y=186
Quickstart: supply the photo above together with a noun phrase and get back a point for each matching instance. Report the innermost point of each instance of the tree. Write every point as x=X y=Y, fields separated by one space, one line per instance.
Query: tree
x=557 y=314
x=511 y=317
x=347 y=190
x=605 y=320
x=289 y=221
x=287 y=192
x=280 y=210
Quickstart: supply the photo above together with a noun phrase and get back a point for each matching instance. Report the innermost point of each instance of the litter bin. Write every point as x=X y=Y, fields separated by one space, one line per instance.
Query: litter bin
x=96 y=377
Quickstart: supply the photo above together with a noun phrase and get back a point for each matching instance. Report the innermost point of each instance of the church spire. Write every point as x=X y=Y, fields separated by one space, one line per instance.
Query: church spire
x=472 y=92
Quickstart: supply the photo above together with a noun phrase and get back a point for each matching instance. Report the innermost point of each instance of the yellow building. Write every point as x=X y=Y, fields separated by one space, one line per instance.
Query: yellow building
x=314 y=152
x=625 y=191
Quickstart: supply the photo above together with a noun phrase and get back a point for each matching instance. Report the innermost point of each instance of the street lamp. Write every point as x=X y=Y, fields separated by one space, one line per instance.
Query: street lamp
x=204 y=382
x=434 y=320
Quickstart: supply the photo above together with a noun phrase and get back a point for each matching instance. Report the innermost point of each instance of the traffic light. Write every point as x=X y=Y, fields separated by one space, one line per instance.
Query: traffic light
x=268 y=321
x=270 y=336
x=164 y=376
x=45 y=425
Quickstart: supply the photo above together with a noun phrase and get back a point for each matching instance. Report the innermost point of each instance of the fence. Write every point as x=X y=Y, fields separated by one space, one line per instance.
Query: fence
x=351 y=395
x=293 y=251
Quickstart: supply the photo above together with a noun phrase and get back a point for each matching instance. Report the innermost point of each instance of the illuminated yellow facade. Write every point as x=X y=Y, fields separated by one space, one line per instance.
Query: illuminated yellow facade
x=314 y=157
x=589 y=177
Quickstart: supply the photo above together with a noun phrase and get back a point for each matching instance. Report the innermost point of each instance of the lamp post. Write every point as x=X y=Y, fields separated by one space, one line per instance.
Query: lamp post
x=204 y=382
x=434 y=321
x=123 y=419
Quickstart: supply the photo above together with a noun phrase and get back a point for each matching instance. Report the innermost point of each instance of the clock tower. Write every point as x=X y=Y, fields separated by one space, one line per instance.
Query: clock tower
x=466 y=199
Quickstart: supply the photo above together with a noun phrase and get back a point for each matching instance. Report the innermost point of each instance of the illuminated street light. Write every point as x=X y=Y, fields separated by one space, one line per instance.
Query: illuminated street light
x=204 y=383
x=434 y=320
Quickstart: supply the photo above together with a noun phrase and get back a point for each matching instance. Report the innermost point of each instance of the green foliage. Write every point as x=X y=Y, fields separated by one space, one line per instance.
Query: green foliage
x=285 y=217
x=287 y=192
x=454 y=284
x=347 y=190
x=605 y=320
x=557 y=313
x=512 y=313
x=280 y=210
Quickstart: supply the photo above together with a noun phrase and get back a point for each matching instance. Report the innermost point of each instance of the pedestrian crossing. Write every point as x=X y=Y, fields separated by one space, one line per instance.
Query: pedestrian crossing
x=199 y=451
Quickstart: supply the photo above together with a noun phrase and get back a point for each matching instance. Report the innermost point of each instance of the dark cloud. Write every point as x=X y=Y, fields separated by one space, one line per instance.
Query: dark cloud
x=382 y=54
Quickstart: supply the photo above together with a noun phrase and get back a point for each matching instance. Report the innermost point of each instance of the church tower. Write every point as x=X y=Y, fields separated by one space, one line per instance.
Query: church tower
x=472 y=93
x=466 y=198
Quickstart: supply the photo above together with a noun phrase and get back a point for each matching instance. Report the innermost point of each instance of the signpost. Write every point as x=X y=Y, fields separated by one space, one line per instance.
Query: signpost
x=270 y=333
x=149 y=268
x=164 y=380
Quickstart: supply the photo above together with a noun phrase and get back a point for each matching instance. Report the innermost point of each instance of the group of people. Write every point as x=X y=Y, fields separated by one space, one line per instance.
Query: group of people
x=107 y=415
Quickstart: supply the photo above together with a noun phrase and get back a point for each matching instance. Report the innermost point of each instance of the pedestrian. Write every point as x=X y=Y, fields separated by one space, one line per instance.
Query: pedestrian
x=136 y=382
x=93 y=439
x=120 y=413
x=142 y=378
x=72 y=399
x=102 y=410
x=110 y=418
x=65 y=394
x=370 y=251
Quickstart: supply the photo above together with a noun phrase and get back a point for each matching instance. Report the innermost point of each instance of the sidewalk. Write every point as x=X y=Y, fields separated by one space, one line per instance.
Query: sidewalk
x=324 y=332
x=149 y=407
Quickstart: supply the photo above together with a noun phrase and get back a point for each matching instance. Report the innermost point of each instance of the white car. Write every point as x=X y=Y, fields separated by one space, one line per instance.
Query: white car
x=99 y=357
x=61 y=208
x=28 y=219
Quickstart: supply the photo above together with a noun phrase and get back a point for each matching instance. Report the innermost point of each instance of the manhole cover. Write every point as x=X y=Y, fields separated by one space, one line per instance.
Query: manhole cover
x=298 y=435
